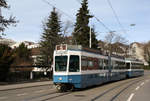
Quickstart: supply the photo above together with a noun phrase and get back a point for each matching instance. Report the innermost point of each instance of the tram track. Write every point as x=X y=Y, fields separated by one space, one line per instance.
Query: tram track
x=52 y=95
x=125 y=88
x=36 y=97
x=122 y=87
x=55 y=94
x=113 y=98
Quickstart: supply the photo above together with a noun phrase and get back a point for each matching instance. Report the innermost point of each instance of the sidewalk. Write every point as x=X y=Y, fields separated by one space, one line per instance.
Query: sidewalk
x=24 y=85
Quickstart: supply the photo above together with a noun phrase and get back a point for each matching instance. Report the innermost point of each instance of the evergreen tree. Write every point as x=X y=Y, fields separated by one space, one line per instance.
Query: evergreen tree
x=82 y=30
x=6 y=59
x=50 y=38
x=5 y=22
x=93 y=39
x=22 y=55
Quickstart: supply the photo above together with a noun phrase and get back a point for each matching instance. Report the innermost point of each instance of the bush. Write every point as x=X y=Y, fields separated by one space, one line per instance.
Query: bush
x=147 y=67
x=4 y=70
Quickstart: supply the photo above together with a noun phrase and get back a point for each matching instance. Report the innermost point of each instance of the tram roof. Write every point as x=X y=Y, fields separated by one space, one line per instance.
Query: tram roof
x=76 y=47
x=132 y=60
x=64 y=47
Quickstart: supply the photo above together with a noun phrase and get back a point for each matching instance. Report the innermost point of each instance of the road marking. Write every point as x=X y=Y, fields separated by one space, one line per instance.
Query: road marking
x=22 y=94
x=131 y=96
x=2 y=98
x=39 y=91
x=137 y=88
x=142 y=83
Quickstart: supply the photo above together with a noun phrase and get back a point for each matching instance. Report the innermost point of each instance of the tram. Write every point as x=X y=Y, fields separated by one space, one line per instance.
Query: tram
x=79 y=67
x=134 y=68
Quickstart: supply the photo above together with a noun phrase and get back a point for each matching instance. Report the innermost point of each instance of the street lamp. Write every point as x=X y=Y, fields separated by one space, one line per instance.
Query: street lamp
x=132 y=24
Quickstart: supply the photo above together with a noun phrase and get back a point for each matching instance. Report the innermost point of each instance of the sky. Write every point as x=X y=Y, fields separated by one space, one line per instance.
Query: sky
x=31 y=14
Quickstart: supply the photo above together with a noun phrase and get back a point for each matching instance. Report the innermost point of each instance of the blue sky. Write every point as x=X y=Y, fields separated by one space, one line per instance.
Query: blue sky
x=31 y=14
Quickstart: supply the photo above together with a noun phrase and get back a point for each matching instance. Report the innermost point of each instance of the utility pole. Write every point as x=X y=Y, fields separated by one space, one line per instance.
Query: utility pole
x=0 y=19
x=90 y=35
x=90 y=41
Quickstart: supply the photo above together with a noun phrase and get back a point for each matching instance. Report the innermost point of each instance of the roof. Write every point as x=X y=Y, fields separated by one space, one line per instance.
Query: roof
x=35 y=51
x=138 y=44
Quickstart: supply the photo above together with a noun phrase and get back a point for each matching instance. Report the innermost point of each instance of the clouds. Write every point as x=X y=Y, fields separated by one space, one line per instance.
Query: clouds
x=31 y=13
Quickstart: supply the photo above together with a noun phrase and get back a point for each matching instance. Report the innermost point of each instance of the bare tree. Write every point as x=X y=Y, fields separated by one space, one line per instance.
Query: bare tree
x=66 y=30
x=110 y=39
x=68 y=25
x=147 y=52
x=113 y=41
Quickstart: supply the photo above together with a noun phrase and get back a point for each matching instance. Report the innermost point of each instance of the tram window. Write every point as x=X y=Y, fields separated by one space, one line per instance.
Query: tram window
x=134 y=66
x=100 y=63
x=74 y=63
x=105 y=64
x=84 y=63
x=61 y=63
x=137 y=65
x=117 y=65
x=112 y=63
x=122 y=65
x=90 y=64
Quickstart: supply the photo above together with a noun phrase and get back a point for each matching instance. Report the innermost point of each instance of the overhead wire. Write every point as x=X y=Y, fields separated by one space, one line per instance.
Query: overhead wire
x=70 y=17
x=103 y=24
x=59 y=9
x=100 y=21
x=115 y=14
x=73 y=18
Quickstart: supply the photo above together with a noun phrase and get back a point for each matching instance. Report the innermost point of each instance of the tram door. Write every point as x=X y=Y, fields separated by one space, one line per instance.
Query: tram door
x=74 y=63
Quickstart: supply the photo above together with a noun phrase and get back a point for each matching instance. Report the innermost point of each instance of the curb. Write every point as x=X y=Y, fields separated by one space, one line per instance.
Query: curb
x=25 y=87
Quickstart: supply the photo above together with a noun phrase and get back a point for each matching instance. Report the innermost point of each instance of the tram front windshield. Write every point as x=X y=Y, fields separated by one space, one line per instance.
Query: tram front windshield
x=60 y=63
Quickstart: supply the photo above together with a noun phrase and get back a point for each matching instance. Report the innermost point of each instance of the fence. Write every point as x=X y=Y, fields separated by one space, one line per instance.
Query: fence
x=26 y=76
x=26 y=73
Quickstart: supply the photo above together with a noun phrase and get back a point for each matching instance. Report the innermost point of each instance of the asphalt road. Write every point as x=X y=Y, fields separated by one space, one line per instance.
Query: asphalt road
x=135 y=89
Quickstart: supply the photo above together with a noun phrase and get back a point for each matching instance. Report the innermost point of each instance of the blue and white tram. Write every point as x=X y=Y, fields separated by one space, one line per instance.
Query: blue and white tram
x=118 y=68
x=78 y=67
x=134 y=68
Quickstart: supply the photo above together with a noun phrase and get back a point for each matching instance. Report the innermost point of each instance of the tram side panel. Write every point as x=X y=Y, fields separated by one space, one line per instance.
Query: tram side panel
x=134 y=69
x=95 y=71
x=92 y=71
